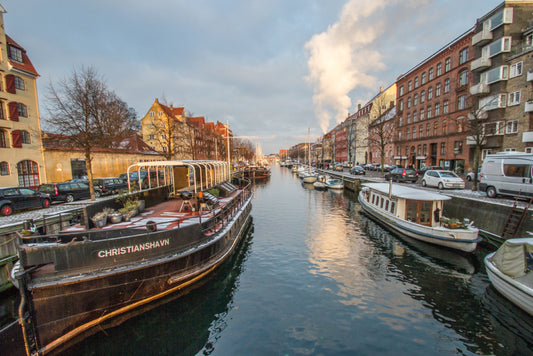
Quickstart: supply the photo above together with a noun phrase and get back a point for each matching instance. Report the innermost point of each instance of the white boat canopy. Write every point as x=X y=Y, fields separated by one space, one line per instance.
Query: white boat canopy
x=404 y=192
x=510 y=258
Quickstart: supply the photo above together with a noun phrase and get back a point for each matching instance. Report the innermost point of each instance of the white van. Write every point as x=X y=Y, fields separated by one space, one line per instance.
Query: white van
x=507 y=173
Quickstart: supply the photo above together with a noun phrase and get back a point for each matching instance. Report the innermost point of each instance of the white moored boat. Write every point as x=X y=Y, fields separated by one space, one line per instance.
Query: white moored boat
x=510 y=270
x=335 y=183
x=418 y=214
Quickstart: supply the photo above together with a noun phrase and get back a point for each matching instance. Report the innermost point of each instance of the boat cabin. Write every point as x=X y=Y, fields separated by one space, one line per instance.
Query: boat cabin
x=418 y=206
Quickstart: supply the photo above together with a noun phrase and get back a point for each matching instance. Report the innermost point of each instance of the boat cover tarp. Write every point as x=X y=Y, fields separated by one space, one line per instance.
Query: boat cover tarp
x=511 y=258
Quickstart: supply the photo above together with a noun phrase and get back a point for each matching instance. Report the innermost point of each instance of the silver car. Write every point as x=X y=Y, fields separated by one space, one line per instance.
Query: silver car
x=442 y=180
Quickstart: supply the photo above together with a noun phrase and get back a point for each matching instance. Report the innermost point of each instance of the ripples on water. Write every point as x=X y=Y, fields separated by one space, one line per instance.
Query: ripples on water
x=317 y=277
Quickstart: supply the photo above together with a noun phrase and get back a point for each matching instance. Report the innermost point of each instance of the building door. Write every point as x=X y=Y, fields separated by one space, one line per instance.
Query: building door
x=78 y=168
x=433 y=154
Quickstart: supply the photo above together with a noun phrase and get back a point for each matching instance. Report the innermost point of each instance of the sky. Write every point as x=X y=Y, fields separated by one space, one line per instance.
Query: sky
x=271 y=69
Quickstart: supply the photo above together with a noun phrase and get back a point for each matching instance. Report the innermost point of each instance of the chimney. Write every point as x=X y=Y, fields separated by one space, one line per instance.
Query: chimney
x=156 y=100
x=381 y=89
x=358 y=106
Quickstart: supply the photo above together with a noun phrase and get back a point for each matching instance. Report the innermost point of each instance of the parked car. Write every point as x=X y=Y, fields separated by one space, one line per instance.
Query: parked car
x=357 y=170
x=339 y=167
x=470 y=176
x=423 y=170
x=66 y=191
x=507 y=173
x=402 y=175
x=106 y=186
x=442 y=180
x=19 y=198
x=395 y=166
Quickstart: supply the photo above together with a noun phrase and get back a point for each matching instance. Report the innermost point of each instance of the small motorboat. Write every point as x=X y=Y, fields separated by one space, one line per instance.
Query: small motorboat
x=510 y=270
x=335 y=183
x=320 y=183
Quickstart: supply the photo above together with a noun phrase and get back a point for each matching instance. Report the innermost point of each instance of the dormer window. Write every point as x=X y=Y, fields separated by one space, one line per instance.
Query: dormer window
x=15 y=54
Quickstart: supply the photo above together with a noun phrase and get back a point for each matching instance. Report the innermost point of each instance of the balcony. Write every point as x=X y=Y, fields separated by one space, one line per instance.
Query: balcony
x=530 y=75
x=482 y=38
x=480 y=88
x=529 y=106
x=527 y=136
x=480 y=64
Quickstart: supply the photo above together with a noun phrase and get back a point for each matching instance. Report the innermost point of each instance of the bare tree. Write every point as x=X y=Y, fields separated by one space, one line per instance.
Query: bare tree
x=90 y=115
x=478 y=130
x=381 y=129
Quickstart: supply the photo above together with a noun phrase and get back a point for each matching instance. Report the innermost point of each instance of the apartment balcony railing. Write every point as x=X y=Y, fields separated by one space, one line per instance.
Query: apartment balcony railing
x=480 y=64
x=529 y=106
x=480 y=88
x=482 y=37
x=527 y=136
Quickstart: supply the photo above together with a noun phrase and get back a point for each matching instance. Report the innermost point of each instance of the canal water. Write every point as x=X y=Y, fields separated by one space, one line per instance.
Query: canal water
x=317 y=277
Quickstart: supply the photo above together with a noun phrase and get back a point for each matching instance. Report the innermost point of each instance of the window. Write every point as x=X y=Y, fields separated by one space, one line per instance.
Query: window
x=151 y=137
x=459 y=124
x=439 y=69
x=15 y=54
x=399 y=135
x=429 y=112
x=494 y=75
x=416 y=82
x=400 y=122
x=28 y=173
x=414 y=131
x=463 y=55
x=445 y=107
x=3 y=139
x=22 y=110
x=493 y=128
x=2 y=117
x=152 y=114
x=430 y=74
x=163 y=136
x=408 y=118
x=19 y=83
x=409 y=86
x=437 y=109
x=160 y=113
x=401 y=105
x=463 y=78
x=514 y=98
x=422 y=96
x=415 y=100
x=25 y=137
x=401 y=90
x=430 y=93
x=501 y=17
x=425 y=150
x=4 y=168
x=414 y=116
x=458 y=147
x=428 y=130
x=444 y=127
x=443 y=148
x=437 y=90
x=407 y=133
x=447 y=86
x=408 y=102
x=435 y=128
x=515 y=70
x=422 y=114
x=448 y=64
x=461 y=102
x=511 y=127
x=493 y=102
x=499 y=46
x=421 y=131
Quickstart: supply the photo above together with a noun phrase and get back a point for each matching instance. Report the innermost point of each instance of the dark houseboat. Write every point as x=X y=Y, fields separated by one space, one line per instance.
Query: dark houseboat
x=256 y=172
x=77 y=280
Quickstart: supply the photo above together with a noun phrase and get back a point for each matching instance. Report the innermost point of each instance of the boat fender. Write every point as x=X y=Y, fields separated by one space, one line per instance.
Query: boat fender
x=151 y=226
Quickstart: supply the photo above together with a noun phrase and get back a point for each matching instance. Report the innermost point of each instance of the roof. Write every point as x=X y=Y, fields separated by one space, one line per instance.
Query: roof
x=404 y=192
x=26 y=66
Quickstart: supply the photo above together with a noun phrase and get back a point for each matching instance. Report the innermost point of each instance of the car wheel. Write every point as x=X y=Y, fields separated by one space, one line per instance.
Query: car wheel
x=97 y=194
x=424 y=183
x=441 y=187
x=46 y=203
x=6 y=210
x=491 y=192
x=70 y=198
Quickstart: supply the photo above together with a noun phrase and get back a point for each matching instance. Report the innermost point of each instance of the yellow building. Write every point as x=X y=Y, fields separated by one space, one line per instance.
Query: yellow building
x=64 y=162
x=21 y=156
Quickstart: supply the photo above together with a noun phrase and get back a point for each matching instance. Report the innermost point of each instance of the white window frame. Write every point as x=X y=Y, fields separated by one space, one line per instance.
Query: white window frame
x=514 y=98
x=511 y=127
x=493 y=102
x=516 y=69
x=501 y=45
x=499 y=73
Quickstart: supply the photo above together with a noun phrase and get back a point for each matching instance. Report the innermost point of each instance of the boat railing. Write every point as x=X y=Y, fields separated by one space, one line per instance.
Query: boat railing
x=211 y=225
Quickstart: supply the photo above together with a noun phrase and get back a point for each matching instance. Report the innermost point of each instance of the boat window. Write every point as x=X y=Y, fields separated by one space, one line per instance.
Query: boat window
x=425 y=212
x=387 y=205
x=419 y=211
x=392 y=205
x=411 y=210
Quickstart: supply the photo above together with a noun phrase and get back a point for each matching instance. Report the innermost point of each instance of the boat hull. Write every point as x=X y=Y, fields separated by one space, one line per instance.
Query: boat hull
x=64 y=310
x=462 y=240
x=516 y=292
